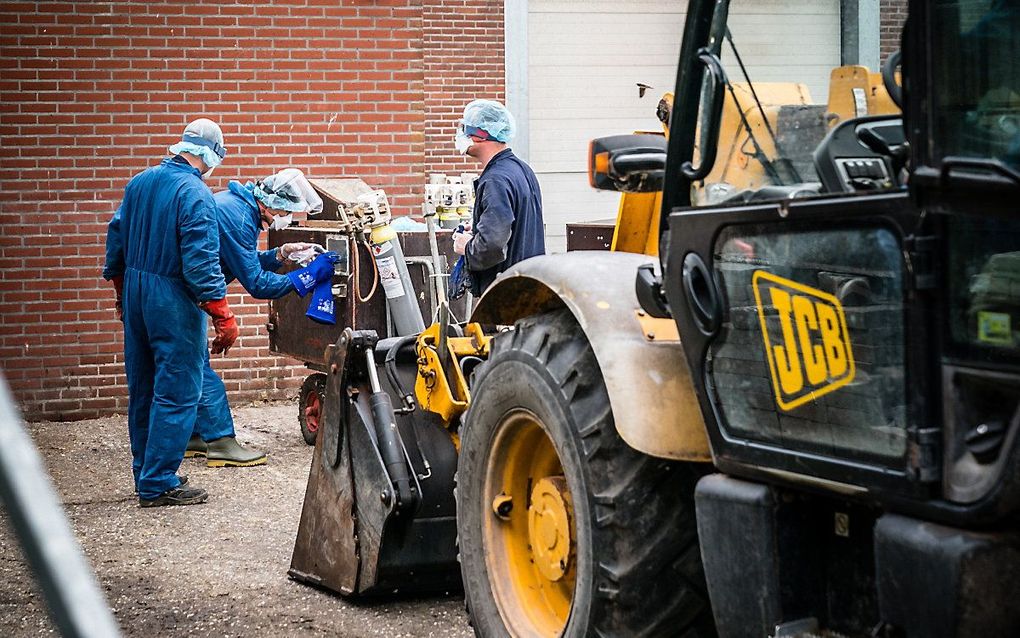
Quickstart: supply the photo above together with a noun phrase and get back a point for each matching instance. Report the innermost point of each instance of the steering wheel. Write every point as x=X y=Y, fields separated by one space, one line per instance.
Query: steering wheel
x=889 y=78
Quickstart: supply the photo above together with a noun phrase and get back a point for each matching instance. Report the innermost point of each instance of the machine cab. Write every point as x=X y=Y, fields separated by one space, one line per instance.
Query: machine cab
x=840 y=249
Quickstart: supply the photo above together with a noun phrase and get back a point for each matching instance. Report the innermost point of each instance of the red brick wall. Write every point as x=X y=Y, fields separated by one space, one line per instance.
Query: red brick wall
x=463 y=45
x=93 y=92
x=892 y=14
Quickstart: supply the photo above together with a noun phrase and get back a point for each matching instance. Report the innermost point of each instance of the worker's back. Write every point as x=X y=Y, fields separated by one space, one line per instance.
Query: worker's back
x=166 y=227
x=239 y=227
x=506 y=173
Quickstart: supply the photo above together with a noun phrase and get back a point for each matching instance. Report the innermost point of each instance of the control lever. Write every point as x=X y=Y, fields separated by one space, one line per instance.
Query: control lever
x=898 y=154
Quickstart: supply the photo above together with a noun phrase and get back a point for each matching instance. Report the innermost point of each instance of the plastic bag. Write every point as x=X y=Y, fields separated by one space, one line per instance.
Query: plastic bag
x=305 y=257
x=460 y=279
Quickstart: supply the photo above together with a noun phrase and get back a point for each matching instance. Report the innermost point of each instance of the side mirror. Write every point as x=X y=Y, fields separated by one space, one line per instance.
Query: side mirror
x=627 y=163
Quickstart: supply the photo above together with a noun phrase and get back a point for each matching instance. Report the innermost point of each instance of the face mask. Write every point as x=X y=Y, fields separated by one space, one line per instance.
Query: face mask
x=281 y=221
x=463 y=143
x=208 y=173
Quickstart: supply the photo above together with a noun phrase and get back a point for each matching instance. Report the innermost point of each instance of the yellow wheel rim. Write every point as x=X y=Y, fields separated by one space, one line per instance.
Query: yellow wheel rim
x=528 y=529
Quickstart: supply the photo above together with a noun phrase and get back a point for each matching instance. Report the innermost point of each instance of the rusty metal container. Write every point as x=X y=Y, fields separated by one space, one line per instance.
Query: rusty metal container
x=293 y=334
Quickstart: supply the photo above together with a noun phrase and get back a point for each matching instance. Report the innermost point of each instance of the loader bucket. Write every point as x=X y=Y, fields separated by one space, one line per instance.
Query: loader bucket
x=355 y=537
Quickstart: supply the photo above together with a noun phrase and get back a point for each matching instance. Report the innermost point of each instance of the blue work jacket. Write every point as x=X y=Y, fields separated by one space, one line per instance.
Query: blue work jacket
x=165 y=227
x=237 y=215
x=507 y=221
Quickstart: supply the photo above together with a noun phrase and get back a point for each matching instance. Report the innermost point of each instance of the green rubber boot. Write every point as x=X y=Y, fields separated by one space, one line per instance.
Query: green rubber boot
x=227 y=452
x=196 y=447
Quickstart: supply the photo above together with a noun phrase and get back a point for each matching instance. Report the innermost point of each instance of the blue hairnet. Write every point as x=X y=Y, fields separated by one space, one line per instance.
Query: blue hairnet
x=287 y=190
x=492 y=117
x=202 y=138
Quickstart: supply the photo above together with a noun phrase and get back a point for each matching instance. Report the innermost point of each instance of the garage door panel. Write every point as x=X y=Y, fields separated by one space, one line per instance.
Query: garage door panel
x=795 y=8
x=613 y=107
x=580 y=55
x=589 y=7
x=562 y=79
x=567 y=198
x=566 y=150
x=603 y=30
x=586 y=56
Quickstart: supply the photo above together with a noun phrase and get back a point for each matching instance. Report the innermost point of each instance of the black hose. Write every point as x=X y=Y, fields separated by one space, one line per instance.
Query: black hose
x=759 y=154
x=391 y=371
x=768 y=126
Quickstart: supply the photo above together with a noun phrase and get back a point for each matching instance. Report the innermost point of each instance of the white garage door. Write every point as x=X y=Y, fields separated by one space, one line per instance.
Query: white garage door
x=585 y=58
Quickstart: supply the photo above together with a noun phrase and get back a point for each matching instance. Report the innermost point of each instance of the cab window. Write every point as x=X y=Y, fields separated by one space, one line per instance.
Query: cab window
x=803 y=115
x=976 y=80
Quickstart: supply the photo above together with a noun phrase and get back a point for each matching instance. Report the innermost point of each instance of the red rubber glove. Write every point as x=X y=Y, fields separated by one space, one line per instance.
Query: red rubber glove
x=223 y=322
x=118 y=287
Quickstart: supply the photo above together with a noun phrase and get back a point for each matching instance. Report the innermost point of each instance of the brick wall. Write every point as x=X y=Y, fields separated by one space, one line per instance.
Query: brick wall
x=93 y=92
x=463 y=47
x=892 y=14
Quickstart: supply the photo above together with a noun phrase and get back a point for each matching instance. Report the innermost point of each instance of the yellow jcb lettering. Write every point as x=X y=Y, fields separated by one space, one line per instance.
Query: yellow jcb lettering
x=835 y=349
x=814 y=358
x=791 y=379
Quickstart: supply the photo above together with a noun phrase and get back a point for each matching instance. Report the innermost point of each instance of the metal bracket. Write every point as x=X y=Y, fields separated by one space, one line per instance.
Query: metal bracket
x=924 y=454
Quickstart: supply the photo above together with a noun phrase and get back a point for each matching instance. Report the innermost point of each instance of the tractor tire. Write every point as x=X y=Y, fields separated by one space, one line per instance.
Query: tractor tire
x=564 y=530
x=313 y=392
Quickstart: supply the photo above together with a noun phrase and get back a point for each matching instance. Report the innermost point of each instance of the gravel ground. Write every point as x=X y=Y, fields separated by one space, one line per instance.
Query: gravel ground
x=218 y=569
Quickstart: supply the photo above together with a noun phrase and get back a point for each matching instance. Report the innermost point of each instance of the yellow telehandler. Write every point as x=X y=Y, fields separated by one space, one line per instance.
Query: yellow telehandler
x=786 y=404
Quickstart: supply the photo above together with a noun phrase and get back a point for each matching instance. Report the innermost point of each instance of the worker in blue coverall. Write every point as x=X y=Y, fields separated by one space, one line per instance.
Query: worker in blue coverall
x=507 y=224
x=241 y=213
x=162 y=255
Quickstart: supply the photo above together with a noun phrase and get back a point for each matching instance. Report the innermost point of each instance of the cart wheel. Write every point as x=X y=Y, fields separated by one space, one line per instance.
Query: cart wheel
x=313 y=392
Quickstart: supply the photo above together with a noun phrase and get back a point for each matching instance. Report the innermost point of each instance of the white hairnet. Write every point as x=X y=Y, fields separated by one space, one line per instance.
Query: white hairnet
x=202 y=138
x=288 y=190
x=492 y=117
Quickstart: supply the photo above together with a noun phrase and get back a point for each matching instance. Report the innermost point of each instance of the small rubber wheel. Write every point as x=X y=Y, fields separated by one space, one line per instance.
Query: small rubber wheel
x=313 y=391
x=564 y=530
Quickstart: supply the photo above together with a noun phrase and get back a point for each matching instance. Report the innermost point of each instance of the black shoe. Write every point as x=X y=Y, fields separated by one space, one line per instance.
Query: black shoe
x=177 y=496
x=183 y=478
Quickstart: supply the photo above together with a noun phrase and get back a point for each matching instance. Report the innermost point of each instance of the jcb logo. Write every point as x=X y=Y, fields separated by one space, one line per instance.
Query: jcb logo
x=807 y=345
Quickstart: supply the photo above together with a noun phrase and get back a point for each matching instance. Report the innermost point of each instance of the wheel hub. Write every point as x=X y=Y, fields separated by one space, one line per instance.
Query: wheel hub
x=313 y=407
x=528 y=535
x=549 y=527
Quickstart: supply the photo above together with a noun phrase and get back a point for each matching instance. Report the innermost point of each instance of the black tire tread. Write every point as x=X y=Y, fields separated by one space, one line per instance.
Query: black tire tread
x=649 y=579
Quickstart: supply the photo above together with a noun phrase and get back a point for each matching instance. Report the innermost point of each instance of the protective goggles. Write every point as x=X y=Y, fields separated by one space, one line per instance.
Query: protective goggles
x=290 y=197
x=220 y=150
x=474 y=131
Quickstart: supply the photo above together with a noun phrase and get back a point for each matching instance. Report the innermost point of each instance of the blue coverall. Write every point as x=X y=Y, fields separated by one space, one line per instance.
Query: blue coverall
x=507 y=222
x=237 y=216
x=163 y=241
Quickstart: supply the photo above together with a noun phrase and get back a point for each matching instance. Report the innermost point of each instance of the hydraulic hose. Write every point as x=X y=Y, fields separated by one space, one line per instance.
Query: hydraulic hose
x=391 y=371
x=357 y=273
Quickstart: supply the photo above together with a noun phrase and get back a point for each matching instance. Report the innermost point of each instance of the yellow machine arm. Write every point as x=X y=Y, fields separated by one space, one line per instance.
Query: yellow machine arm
x=446 y=393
